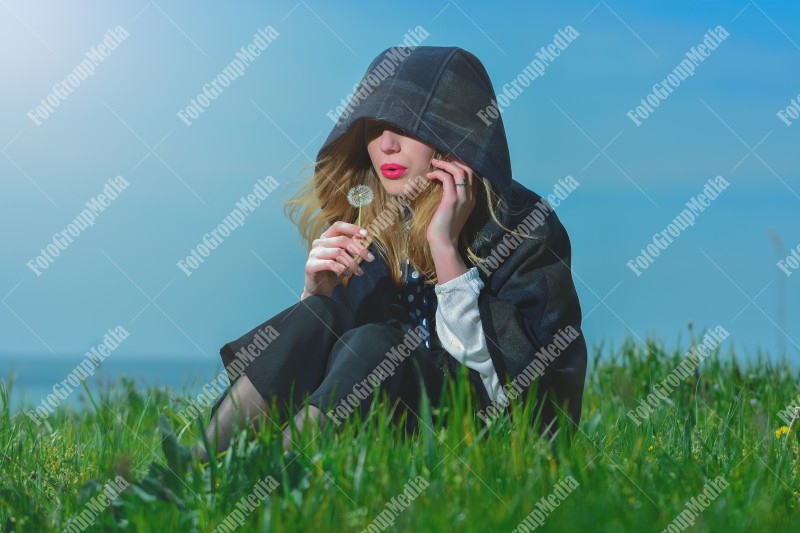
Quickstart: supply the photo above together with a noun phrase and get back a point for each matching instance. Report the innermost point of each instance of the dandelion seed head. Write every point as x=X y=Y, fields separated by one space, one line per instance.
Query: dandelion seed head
x=360 y=195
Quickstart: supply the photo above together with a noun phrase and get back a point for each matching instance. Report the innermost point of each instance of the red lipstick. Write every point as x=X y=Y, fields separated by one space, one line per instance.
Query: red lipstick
x=392 y=170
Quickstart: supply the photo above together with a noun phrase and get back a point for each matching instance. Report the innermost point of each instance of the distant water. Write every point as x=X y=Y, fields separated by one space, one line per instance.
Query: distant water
x=34 y=378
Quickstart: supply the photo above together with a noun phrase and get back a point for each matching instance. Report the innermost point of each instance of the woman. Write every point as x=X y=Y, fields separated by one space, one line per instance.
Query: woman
x=461 y=265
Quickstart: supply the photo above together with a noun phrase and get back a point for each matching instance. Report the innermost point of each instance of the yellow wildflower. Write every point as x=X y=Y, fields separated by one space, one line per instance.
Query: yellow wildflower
x=781 y=431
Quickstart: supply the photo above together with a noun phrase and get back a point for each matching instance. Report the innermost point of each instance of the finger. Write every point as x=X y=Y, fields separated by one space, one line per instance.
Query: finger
x=454 y=166
x=350 y=262
x=357 y=249
x=450 y=166
x=461 y=164
x=447 y=182
x=349 y=243
x=457 y=169
x=459 y=173
x=468 y=172
x=321 y=265
x=339 y=255
x=344 y=228
x=469 y=190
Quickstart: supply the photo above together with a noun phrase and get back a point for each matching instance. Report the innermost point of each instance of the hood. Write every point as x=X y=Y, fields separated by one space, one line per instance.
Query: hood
x=438 y=94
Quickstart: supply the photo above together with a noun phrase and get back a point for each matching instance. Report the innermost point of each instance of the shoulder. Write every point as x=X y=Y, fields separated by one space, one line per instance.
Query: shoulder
x=532 y=248
x=533 y=215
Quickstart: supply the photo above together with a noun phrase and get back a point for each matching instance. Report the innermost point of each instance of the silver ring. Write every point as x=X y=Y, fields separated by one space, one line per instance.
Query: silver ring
x=461 y=184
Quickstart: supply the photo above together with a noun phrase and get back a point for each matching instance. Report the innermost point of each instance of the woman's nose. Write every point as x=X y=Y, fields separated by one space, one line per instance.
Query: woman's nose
x=389 y=141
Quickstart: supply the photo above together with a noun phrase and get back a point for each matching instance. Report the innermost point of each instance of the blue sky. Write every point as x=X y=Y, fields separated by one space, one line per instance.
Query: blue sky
x=183 y=180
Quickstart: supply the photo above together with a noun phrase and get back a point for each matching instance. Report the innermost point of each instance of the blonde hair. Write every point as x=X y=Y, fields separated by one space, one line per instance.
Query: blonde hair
x=322 y=200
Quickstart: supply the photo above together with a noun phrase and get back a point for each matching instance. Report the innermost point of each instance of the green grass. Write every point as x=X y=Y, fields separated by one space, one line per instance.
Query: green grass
x=719 y=422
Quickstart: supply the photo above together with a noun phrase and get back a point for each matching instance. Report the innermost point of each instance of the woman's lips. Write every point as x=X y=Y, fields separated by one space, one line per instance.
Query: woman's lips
x=392 y=170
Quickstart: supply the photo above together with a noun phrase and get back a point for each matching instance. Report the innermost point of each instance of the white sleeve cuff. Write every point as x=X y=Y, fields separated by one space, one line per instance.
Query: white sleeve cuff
x=469 y=279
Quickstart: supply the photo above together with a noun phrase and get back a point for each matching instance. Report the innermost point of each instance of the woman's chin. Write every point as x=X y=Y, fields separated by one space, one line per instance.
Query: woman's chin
x=395 y=186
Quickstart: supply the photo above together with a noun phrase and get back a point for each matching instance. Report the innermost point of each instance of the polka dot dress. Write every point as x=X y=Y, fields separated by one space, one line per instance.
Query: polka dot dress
x=419 y=299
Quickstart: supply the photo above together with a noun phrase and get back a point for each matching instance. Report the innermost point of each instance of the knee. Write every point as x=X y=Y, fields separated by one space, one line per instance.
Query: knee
x=318 y=302
x=372 y=341
x=372 y=334
x=324 y=307
x=363 y=348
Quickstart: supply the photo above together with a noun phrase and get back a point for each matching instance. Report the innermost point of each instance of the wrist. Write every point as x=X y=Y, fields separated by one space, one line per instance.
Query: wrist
x=447 y=262
x=442 y=246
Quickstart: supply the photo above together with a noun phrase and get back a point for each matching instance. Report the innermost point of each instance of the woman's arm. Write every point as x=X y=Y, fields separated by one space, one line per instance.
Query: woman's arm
x=458 y=325
x=447 y=262
x=530 y=301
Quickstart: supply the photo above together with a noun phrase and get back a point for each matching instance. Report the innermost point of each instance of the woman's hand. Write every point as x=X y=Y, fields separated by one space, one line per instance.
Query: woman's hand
x=456 y=205
x=331 y=256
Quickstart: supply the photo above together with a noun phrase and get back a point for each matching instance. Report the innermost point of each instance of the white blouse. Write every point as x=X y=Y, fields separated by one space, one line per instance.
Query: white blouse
x=458 y=325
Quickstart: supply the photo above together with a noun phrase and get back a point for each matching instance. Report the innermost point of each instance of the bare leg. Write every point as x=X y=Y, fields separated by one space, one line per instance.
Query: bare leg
x=316 y=418
x=228 y=418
